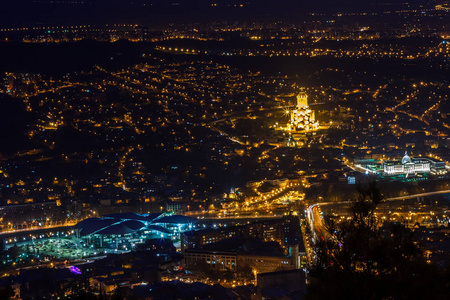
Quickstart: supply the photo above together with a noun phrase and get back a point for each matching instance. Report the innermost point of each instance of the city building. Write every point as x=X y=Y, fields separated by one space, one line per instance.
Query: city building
x=234 y=254
x=302 y=117
x=290 y=283
x=406 y=166
x=124 y=230
x=285 y=231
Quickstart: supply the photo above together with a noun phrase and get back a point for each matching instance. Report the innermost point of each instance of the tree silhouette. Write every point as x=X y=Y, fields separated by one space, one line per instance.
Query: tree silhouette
x=363 y=261
x=246 y=272
x=6 y=292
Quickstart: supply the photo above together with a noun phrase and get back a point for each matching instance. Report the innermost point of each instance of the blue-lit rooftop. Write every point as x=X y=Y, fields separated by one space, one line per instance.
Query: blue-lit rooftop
x=128 y=223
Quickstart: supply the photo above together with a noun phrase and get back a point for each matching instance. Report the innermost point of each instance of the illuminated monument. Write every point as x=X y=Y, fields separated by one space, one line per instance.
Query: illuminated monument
x=302 y=117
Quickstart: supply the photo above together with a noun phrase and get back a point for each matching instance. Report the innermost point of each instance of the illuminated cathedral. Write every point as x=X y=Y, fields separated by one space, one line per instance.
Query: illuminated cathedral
x=302 y=117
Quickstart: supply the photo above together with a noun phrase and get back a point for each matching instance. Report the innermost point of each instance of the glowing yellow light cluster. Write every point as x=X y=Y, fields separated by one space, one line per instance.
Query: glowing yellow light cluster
x=302 y=117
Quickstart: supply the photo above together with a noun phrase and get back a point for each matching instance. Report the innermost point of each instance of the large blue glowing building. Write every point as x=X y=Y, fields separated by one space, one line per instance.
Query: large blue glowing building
x=124 y=230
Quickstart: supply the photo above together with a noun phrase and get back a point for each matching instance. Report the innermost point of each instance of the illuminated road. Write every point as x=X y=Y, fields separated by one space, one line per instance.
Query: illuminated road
x=38 y=228
x=320 y=230
x=217 y=215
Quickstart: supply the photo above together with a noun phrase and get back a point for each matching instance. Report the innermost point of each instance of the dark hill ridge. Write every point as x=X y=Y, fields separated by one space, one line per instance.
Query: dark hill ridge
x=66 y=57
x=13 y=125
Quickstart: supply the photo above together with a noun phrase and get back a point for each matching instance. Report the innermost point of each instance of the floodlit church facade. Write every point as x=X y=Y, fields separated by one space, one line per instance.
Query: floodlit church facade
x=302 y=117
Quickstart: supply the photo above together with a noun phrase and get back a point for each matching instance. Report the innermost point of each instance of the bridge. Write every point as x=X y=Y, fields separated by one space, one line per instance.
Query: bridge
x=421 y=195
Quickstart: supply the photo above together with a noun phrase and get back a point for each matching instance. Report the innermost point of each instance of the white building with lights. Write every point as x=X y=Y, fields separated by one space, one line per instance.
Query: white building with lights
x=412 y=166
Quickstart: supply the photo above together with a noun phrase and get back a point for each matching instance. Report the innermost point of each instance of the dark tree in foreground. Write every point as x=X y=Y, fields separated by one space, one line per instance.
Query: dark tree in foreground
x=6 y=292
x=363 y=261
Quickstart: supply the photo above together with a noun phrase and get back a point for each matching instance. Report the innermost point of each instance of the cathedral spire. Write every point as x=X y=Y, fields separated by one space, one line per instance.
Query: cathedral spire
x=302 y=99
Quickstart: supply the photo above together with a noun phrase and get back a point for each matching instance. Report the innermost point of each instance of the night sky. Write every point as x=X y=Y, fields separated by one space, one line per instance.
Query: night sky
x=26 y=12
